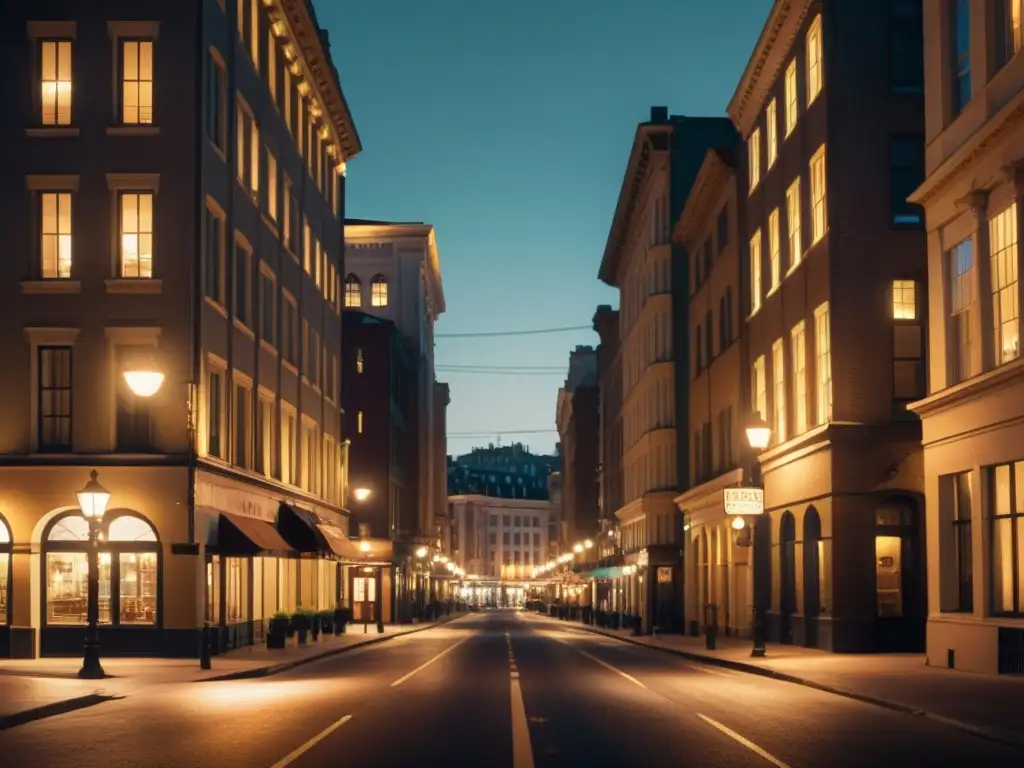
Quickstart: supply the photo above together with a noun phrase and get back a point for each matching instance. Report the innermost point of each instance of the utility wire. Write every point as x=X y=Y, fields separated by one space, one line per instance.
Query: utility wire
x=532 y=332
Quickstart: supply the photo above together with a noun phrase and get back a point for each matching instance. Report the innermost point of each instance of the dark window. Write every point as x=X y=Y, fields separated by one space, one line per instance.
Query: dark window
x=962 y=542
x=699 y=356
x=906 y=46
x=268 y=309
x=213 y=415
x=960 y=25
x=708 y=447
x=723 y=228
x=243 y=263
x=214 y=242
x=134 y=430
x=728 y=313
x=54 y=398
x=1007 y=505
x=1007 y=29
x=709 y=335
x=709 y=258
x=698 y=462
x=216 y=106
x=723 y=320
x=697 y=271
x=906 y=173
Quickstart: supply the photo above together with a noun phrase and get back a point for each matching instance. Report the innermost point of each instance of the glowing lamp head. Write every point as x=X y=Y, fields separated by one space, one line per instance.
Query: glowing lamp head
x=421 y=552
x=588 y=544
x=361 y=494
x=93 y=498
x=738 y=523
x=364 y=546
x=577 y=548
x=142 y=382
x=759 y=434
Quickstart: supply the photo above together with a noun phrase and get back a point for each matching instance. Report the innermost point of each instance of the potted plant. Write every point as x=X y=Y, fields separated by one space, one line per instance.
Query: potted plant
x=301 y=623
x=277 y=632
x=326 y=620
x=342 y=616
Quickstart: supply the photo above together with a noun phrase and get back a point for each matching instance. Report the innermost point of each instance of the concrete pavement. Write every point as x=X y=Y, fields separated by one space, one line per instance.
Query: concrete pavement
x=986 y=705
x=448 y=696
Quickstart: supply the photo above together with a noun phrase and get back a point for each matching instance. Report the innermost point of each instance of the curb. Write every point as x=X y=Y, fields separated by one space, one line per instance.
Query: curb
x=284 y=666
x=51 y=710
x=1000 y=736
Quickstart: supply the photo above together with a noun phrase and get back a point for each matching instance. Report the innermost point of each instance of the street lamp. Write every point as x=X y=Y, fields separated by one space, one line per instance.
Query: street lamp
x=361 y=494
x=92 y=500
x=421 y=552
x=759 y=434
x=143 y=382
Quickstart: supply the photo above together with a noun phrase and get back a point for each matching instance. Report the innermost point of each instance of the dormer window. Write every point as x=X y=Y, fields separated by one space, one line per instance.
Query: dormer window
x=353 y=291
x=379 y=291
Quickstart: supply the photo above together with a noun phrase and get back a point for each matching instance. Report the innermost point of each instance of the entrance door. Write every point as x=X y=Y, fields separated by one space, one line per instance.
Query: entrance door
x=364 y=599
x=787 y=577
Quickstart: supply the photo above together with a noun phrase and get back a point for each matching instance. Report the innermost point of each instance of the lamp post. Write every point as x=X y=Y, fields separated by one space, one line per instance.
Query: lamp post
x=759 y=434
x=92 y=500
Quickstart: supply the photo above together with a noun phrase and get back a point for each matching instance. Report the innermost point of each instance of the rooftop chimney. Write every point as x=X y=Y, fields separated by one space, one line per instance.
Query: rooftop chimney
x=659 y=114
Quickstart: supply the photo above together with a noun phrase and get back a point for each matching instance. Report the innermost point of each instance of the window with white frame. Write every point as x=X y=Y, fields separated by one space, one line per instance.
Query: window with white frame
x=904 y=300
x=1005 y=294
x=55 y=81
x=792 y=100
x=779 y=389
x=823 y=363
x=774 y=250
x=819 y=202
x=907 y=342
x=755 y=272
x=379 y=291
x=55 y=245
x=771 y=121
x=798 y=347
x=815 y=78
x=961 y=308
x=136 y=234
x=754 y=158
x=760 y=389
x=793 y=223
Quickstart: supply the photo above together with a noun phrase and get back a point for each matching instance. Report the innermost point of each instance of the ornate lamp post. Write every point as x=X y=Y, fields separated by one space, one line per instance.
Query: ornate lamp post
x=92 y=500
x=759 y=435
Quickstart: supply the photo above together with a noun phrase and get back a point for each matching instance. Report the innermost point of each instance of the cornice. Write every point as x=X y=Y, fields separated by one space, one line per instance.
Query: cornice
x=972 y=389
x=770 y=53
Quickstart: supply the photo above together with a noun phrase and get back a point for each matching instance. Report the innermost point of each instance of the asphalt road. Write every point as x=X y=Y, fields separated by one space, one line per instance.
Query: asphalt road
x=494 y=690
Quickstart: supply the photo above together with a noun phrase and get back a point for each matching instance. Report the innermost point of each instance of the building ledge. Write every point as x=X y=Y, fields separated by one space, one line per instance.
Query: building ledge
x=972 y=389
x=51 y=286
x=133 y=130
x=53 y=132
x=701 y=492
x=142 y=285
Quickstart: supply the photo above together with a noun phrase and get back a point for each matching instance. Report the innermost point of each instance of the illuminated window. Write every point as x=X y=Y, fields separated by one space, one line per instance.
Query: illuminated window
x=779 y=389
x=774 y=250
x=760 y=393
x=288 y=438
x=56 y=235
x=214 y=413
x=792 y=101
x=814 y=64
x=359 y=422
x=798 y=346
x=1005 y=304
x=359 y=360
x=56 y=82
x=754 y=158
x=272 y=185
x=286 y=223
x=755 y=272
x=272 y=54
x=137 y=82
x=904 y=300
x=819 y=202
x=379 y=291
x=823 y=362
x=307 y=246
x=248 y=149
x=961 y=300
x=771 y=120
x=136 y=234
x=793 y=222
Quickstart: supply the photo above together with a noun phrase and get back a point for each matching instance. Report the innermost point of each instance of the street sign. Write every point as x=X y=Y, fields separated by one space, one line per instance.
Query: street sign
x=743 y=501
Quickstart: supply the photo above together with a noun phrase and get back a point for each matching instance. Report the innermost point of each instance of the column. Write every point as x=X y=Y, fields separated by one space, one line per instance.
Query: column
x=982 y=355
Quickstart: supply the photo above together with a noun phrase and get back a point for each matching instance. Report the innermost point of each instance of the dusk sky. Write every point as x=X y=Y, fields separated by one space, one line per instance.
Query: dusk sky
x=507 y=125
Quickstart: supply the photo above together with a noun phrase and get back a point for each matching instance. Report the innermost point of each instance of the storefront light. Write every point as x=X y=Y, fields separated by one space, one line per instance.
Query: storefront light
x=588 y=544
x=421 y=552
x=144 y=383
x=738 y=523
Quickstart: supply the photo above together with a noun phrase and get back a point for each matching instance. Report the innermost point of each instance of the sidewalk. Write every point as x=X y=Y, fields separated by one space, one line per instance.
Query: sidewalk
x=987 y=705
x=35 y=688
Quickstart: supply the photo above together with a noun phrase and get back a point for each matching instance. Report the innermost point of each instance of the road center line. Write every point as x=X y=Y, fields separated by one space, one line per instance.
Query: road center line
x=522 y=748
x=744 y=741
x=296 y=754
x=605 y=664
x=423 y=666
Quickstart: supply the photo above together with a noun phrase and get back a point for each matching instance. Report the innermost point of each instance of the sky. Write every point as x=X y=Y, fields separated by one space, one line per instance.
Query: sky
x=508 y=125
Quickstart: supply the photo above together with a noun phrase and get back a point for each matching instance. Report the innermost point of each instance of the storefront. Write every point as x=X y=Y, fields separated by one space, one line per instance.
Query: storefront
x=5 y=581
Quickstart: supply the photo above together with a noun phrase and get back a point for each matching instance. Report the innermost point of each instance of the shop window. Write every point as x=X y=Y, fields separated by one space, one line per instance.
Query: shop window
x=128 y=571
x=5 y=572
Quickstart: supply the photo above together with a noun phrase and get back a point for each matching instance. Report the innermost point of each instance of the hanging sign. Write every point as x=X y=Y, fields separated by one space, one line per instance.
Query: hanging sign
x=743 y=501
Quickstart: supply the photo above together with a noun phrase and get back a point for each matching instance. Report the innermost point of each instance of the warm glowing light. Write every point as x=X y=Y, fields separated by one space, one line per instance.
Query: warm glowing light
x=421 y=552
x=738 y=523
x=341 y=168
x=551 y=564
x=444 y=559
x=144 y=383
x=296 y=70
x=588 y=544
x=437 y=558
x=577 y=548
x=93 y=498
x=759 y=434
x=303 y=87
x=364 y=546
x=362 y=494
x=450 y=566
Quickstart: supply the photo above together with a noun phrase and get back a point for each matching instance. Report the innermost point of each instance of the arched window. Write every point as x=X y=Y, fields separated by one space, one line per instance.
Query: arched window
x=353 y=291
x=379 y=291
x=129 y=558
x=5 y=573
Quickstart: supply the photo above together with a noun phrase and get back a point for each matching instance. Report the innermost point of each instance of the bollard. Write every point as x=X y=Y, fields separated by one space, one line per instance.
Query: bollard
x=710 y=626
x=204 y=647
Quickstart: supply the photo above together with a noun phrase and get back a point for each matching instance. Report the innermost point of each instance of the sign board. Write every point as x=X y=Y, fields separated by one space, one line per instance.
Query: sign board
x=664 y=575
x=743 y=501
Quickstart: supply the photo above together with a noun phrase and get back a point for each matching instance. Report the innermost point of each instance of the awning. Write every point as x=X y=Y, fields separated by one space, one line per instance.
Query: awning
x=614 y=572
x=353 y=552
x=301 y=528
x=238 y=535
